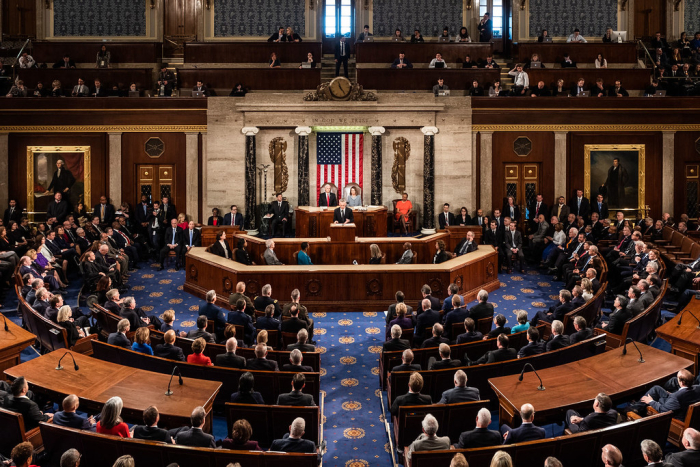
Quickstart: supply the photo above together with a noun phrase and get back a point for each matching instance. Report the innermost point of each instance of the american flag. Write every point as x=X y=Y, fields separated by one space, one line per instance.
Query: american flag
x=339 y=160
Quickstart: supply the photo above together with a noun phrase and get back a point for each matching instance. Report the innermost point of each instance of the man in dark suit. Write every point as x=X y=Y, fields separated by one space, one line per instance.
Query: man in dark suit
x=168 y=349
x=342 y=53
x=603 y=415
x=481 y=436
x=436 y=338
x=560 y=210
x=105 y=211
x=426 y=319
x=456 y=316
x=293 y=441
x=295 y=363
x=293 y=324
x=297 y=398
x=234 y=217
x=413 y=397
x=580 y=205
x=678 y=402
x=501 y=354
x=583 y=332
x=215 y=314
x=342 y=214
x=483 y=309
x=460 y=393
x=513 y=242
x=12 y=213
x=500 y=322
x=407 y=362
x=467 y=245
x=191 y=238
x=195 y=437
x=470 y=335
x=156 y=225
x=527 y=431
x=435 y=303
x=260 y=362
x=395 y=343
x=280 y=215
x=173 y=242
x=301 y=343
x=557 y=311
x=239 y=317
x=129 y=312
x=494 y=236
x=119 y=338
x=391 y=313
x=511 y=210
x=537 y=207
x=446 y=218
x=401 y=62
x=149 y=430
x=533 y=346
x=557 y=340
x=445 y=360
x=691 y=455
x=600 y=207
x=57 y=211
x=68 y=417
x=230 y=359
x=621 y=313
x=141 y=216
x=20 y=403
x=169 y=210
x=65 y=63
x=327 y=198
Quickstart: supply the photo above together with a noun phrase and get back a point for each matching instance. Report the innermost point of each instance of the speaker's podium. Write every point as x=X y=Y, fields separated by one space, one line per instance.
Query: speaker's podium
x=343 y=232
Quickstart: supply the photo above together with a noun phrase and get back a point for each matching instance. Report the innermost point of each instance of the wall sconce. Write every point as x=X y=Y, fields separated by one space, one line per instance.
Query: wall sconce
x=522 y=4
x=47 y=4
x=469 y=4
x=153 y=4
x=208 y=5
x=676 y=4
x=311 y=4
x=623 y=5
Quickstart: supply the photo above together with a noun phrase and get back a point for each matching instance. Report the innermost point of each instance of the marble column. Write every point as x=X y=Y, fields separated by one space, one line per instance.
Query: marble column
x=668 y=178
x=376 y=181
x=115 y=167
x=303 y=165
x=250 y=188
x=559 y=165
x=192 y=174
x=486 y=164
x=4 y=171
x=204 y=199
x=429 y=133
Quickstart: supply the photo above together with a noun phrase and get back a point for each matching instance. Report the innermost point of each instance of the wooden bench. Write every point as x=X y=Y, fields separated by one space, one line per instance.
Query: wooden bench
x=250 y=52
x=50 y=52
x=13 y=432
x=270 y=384
x=578 y=450
x=99 y=450
x=675 y=432
x=271 y=422
x=257 y=79
x=69 y=78
x=424 y=79
x=632 y=79
x=589 y=311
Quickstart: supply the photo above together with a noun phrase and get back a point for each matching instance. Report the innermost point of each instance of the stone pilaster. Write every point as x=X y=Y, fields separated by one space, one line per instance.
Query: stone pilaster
x=115 y=168
x=303 y=165
x=192 y=174
x=560 y=166
x=250 y=188
x=429 y=133
x=486 y=164
x=668 y=177
x=376 y=190
x=4 y=171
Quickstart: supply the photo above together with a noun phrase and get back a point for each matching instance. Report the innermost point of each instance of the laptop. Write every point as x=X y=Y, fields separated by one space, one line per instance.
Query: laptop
x=443 y=39
x=535 y=64
x=547 y=39
x=660 y=94
x=585 y=94
x=439 y=64
x=197 y=94
x=307 y=64
x=369 y=39
x=397 y=39
x=134 y=94
x=444 y=93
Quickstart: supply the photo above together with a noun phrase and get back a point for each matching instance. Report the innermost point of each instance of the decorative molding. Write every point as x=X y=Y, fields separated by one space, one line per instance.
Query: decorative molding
x=313 y=287
x=278 y=156
x=676 y=5
x=376 y=130
x=429 y=130
x=623 y=5
x=250 y=130
x=253 y=287
x=523 y=3
x=374 y=287
x=323 y=93
x=303 y=130
x=402 y=151
x=592 y=127
x=103 y=128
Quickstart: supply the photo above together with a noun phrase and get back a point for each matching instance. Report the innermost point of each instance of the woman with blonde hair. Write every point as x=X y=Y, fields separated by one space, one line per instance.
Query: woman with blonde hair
x=375 y=254
x=501 y=459
x=587 y=287
x=142 y=341
x=182 y=221
x=125 y=461
x=262 y=339
x=168 y=317
x=65 y=319
x=401 y=319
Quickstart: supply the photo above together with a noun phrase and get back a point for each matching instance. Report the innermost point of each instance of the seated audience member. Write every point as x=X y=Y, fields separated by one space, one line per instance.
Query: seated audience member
x=429 y=440
x=476 y=89
x=260 y=362
x=65 y=63
x=651 y=90
x=557 y=311
x=230 y=359
x=119 y=338
x=196 y=356
x=579 y=88
x=521 y=80
x=445 y=360
x=267 y=322
x=100 y=91
x=600 y=62
x=611 y=456
x=481 y=436
x=220 y=246
x=215 y=219
x=527 y=431
x=17 y=90
x=40 y=90
x=295 y=363
x=598 y=90
x=407 y=256
x=469 y=63
x=303 y=254
x=440 y=86
x=466 y=245
x=364 y=34
x=237 y=91
x=483 y=309
x=239 y=317
x=535 y=58
x=441 y=255
x=523 y=324
x=26 y=61
x=70 y=458
x=301 y=343
x=245 y=393
x=375 y=254
x=540 y=90
x=200 y=331
x=293 y=324
x=407 y=362
x=111 y=422
x=489 y=63
x=460 y=393
x=567 y=62
x=501 y=354
x=292 y=36
x=269 y=254
x=557 y=340
x=500 y=321
x=691 y=443
x=533 y=346
x=274 y=61
x=582 y=331
x=21 y=455
x=402 y=62
x=395 y=343
x=20 y=402
x=195 y=436
x=149 y=430
x=652 y=453
x=436 y=338
x=413 y=397
x=495 y=89
x=620 y=315
x=240 y=437
x=296 y=397
x=470 y=335
x=167 y=349
x=279 y=36
x=678 y=402
x=541 y=37
x=576 y=37
x=293 y=441
x=559 y=90
x=68 y=417
x=607 y=37
x=417 y=37
x=80 y=90
x=438 y=62
x=463 y=35
x=603 y=415
x=403 y=321
x=64 y=318
x=142 y=341
x=200 y=87
x=215 y=314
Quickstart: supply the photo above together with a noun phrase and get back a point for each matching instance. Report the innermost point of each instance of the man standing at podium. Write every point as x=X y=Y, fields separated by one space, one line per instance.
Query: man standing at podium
x=342 y=214
x=327 y=198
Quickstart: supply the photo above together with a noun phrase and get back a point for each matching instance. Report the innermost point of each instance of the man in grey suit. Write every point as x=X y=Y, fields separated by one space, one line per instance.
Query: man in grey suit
x=269 y=255
x=296 y=397
x=514 y=246
x=460 y=393
x=428 y=440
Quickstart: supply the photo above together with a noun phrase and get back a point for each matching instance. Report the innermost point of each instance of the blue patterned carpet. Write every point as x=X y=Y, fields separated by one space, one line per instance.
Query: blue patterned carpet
x=350 y=343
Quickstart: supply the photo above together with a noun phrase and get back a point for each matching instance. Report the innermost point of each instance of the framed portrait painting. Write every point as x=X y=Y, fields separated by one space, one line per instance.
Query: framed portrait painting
x=57 y=169
x=618 y=173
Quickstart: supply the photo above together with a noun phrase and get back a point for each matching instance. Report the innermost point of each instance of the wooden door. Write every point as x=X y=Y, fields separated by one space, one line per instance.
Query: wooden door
x=522 y=182
x=180 y=17
x=649 y=17
x=156 y=181
x=19 y=18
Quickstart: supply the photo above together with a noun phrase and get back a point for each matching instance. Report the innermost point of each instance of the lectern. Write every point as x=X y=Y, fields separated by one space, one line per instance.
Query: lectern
x=342 y=232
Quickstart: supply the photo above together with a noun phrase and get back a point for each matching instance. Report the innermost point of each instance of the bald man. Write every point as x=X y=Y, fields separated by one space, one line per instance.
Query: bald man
x=691 y=455
x=68 y=417
x=611 y=456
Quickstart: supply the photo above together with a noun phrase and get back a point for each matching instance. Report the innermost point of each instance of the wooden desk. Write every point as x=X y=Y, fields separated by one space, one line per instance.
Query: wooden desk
x=263 y=78
x=553 y=52
x=458 y=232
x=12 y=343
x=575 y=385
x=69 y=78
x=342 y=232
x=249 y=52
x=96 y=381
x=315 y=222
x=631 y=78
x=209 y=234
x=388 y=51
x=50 y=52
x=425 y=78
x=684 y=339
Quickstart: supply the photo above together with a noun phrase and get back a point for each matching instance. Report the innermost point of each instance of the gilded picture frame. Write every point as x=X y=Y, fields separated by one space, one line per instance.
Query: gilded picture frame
x=43 y=177
x=622 y=183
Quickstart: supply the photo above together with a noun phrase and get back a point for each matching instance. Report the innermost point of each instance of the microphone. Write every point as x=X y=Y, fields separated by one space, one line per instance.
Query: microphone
x=75 y=365
x=680 y=318
x=541 y=388
x=169 y=392
x=624 y=349
x=7 y=329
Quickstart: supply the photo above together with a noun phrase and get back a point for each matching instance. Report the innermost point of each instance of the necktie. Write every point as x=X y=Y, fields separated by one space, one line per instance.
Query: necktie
x=342 y=214
x=623 y=241
x=174 y=232
x=328 y=199
x=447 y=219
x=342 y=49
x=537 y=211
x=102 y=212
x=465 y=247
x=512 y=214
x=191 y=238
x=233 y=217
x=600 y=208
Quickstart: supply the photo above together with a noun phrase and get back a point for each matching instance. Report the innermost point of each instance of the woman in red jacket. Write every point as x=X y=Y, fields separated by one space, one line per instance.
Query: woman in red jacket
x=196 y=357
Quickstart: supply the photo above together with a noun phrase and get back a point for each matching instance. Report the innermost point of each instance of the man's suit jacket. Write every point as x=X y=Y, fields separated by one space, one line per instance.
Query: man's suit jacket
x=581 y=335
x=406 y=367
x=636 y=307
x=230 y=360
x=16 y=215
x=406 y=63
x=241 y=319
x=302 y=347
x=109 y=213
x=646 y=299
x=509 y=243
x=595 y=420
x=169 y=212
x=532 y=209
x=506 y=212
x=458 y=315
x=470 y=248
x=151 y=433
x=278 y=211
x=261 y=364
x=563 y=212
x=196 y=438
x=459 y=394
x=339 y=57
x=220 y=250
x=585 y=209
x=687 y=458
x=678 y=402
x=469 y=337
x=57 y=210
x=409 y=399
x=426 y=320
x=498 y=355
x=237 y=221
x=480 y=311
x=557 y=342
x=532 y=348
x=168 y=239
x=139 y=215
x=119 y=339
x=525 y=432
x=297 y=399
x=293 y=325
x=493 y=239
x=435 y=304
x=196 y=238
x=29 y=410
x=395 y=344
x=434 y=342
x=169 y=351
x=135 y=321
x=288 y=444
x=479 y=438
x=62 y=64
x=618 y=319
x=450 y=218
x=71 y=420
x=446 y=363
x=322 y=201
x=603 y=211
x=296 y=368
x=561 y=310
x=339 y=219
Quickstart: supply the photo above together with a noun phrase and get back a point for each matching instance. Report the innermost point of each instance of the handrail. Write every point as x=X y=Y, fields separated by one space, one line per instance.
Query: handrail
x=646 y=53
